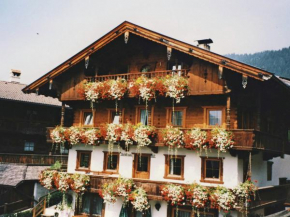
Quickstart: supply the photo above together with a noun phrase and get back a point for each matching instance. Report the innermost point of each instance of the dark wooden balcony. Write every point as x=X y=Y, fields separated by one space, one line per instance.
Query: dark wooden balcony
x=245 y=140
x=32 y=159
x=270 y=195
x=131 y=76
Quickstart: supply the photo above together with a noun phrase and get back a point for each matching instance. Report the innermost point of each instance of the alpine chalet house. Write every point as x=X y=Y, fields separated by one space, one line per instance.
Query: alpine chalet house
x=165 y=128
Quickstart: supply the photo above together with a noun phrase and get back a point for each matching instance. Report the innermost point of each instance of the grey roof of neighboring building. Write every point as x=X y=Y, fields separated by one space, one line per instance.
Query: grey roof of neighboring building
x=13 y=91
x=13 y=174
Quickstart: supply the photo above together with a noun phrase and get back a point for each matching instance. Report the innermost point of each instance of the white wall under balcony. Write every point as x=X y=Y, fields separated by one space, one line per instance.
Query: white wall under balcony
x=259 y=169
x=232 y=167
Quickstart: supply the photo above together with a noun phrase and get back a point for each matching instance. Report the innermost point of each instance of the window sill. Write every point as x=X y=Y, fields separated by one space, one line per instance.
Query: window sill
x=174 y=177
x=87 y=170
x=212 y=181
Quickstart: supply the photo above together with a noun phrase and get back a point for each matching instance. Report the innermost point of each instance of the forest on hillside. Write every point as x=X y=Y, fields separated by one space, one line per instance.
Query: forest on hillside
x=277 y=61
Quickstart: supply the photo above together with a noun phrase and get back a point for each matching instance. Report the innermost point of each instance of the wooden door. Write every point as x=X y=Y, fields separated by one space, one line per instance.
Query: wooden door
x=141 y=168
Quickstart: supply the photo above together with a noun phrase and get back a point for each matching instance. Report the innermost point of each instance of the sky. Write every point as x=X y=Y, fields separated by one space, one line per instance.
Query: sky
x=38 y=35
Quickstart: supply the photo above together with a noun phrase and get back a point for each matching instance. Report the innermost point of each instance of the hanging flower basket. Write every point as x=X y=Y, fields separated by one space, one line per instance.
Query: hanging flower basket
x=222 y=139
x=46 y=178
x=121 y=187
x=222 y=198
x=196 y=139
x=176 y=87
x=139 y=200
x=197 y=195
x=173 y=138
x=57 y=135
x=144 y=135
x=174 y=194
x=79 y=182
x=143 y=87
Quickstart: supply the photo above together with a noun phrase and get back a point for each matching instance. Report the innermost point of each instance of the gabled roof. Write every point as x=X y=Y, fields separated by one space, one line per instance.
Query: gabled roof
x=158 y=38
x=13 y=91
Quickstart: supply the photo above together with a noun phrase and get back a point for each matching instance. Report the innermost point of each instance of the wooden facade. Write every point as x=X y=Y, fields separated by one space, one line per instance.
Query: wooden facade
x=253 y=103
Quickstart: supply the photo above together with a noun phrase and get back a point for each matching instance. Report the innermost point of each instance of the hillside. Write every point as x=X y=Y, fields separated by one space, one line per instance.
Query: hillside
x=277 y=62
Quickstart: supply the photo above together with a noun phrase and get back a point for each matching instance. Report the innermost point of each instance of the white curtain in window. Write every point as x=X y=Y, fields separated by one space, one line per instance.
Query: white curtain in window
x=144 y=116
x=88 y=119
x=171 y=167
x=177 y=118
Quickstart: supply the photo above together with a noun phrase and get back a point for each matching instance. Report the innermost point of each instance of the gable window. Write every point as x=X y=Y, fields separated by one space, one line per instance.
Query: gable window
x=174 y=167
x=87 y=117
x=111 y=162
x=115 y=117
x=269 y=170
x=83 y=160
x=143 y=116
x=211 y=170
x=214 y=116
x=176 y=118
x=28 y=146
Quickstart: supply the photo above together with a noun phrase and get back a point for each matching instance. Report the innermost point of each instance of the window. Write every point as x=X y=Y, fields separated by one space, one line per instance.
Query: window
x=63 y=150
x=174 y=167
x=214 y=116
x=145 y=68
x=176 y=117
x=142 y=166
x=212 y=170
x=28 y=146
x=269 y=170
x=83 y=160
x=143 y=116
x=115 y=117
x=111 y=162
x=87 y=117
x=92 y=204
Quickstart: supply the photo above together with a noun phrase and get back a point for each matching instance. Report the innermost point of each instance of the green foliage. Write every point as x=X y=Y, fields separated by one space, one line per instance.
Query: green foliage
x=277 y=62
x=57 y=197
x=56 y=166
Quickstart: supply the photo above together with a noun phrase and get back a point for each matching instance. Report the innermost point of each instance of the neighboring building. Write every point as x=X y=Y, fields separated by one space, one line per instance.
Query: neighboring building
x=252 y=103
x=24 y=151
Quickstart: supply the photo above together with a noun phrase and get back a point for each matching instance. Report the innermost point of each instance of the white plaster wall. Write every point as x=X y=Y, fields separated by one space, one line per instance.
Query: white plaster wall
x=192 y=164
x=279 y=169
x=113 y=210
x=162 y=211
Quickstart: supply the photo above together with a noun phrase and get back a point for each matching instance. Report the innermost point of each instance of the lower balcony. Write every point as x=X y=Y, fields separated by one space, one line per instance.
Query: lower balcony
x=245 y=140
x=265 y=196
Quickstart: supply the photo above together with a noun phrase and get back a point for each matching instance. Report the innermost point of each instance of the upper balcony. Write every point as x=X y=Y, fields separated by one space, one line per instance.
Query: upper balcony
x=131 y=76
x=245 y=140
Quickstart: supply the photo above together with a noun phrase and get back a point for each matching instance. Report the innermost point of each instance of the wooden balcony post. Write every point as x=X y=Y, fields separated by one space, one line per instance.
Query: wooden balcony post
x=5 y=208
x=228 y=119
x=62 y=114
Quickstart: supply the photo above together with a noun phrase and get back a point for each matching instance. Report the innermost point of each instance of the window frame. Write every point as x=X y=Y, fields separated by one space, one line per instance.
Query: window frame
x=91 y=196
x=169 y=111
x=82 y=113
x=111 y=110
x=79 y=153
x=105 y=163
x=167 y=167
x=207 y=109
x=203 y=170
x=138 y=109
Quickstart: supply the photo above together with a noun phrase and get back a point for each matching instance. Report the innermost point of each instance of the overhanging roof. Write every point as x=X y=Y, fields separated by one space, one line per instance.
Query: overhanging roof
x=158 y=38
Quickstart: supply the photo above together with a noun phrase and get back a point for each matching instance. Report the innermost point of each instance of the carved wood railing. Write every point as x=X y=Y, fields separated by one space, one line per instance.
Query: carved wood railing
x=130 y=76
x=245 y=139
x=264 y=195
x=32 y=158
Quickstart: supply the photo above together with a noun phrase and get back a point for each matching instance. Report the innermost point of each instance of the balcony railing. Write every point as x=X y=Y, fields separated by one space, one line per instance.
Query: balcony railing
x=131 y=76
x=264 y=195
x=245 y=139
x=34 y=159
